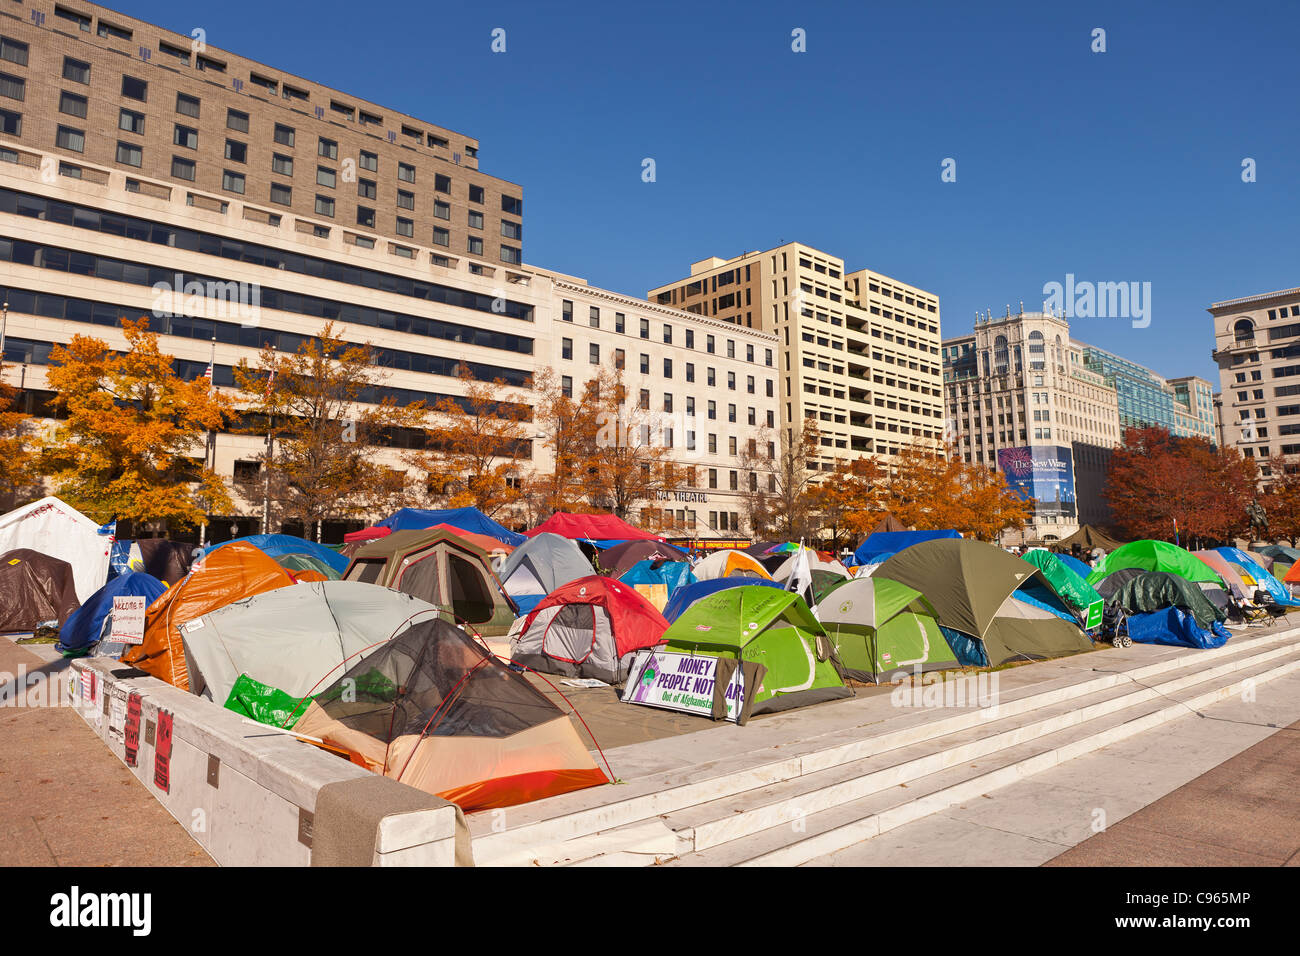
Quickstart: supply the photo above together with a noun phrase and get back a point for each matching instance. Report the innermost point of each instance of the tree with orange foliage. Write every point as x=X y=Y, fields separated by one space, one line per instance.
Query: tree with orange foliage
x=474 y=447
x=1280 y=497
x=567 y=427
x=19 y=482
x=126 y=448
x=781 y=500
x=1156 y=478
x=847 y=501
x=625 y=459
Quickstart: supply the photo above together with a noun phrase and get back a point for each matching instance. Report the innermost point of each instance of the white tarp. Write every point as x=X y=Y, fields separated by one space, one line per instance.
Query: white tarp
x=53 y=527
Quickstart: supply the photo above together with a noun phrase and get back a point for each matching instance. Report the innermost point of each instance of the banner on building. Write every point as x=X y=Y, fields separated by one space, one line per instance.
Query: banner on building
x=1043 y=474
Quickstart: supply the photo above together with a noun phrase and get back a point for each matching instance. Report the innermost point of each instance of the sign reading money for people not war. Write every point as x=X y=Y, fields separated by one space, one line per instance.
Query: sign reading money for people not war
x=128 y=619
x=679 y=682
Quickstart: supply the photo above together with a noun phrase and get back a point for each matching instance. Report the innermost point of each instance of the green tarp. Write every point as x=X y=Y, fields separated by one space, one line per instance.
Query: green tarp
x=1074 y=590
x=1154 y=590
x=1155 y=556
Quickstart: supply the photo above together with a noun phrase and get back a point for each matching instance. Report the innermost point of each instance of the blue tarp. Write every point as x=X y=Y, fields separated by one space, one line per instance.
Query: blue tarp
x=278 y=544
x=1041 y=596
x=968 y=651
x=1263 y=580
x=467 y=519
x=688 y=594
x=674 y=574
x=118 y=558
x=1174 y=626
x=1075 y=565
x=887 y=542
x=83 y=628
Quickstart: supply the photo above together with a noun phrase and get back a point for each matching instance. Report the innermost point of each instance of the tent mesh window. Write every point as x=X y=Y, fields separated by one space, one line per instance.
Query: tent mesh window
x=571 y=635
x=470 y=598
x=433 y=680
x=368 y=570
x=421 y=577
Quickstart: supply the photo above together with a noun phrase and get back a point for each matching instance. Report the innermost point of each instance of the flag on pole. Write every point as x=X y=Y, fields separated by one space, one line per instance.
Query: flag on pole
x=208 y=373
x=270 y=381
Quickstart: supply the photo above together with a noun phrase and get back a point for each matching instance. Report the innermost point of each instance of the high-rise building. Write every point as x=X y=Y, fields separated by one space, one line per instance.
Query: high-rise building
x=1257 y=348
x=1182 y=406
x=859 y=351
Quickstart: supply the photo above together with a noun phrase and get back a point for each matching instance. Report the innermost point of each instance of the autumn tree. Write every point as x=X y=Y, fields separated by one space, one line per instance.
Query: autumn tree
x=779 y=500
x=472 y=453
x=1156 y=479
x=1280 y=497
x=624 y=460
x=847 y=501
x=566 y=427
x=323 y=413
x=126 y=447
x=19 y=481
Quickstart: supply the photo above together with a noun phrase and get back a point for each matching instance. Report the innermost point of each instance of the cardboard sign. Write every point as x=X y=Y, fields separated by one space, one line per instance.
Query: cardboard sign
x=132 y=738
x=1094 y=615
x=681 y=682
x=162 y=754
x=128 y=619
x=117 y=714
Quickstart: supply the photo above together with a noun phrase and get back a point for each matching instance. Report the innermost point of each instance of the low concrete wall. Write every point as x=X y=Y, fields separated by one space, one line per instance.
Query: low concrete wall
x=248 y=796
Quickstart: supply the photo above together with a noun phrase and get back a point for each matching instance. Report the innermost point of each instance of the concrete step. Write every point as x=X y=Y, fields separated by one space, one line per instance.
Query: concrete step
x=773 y=782
x=801 y=838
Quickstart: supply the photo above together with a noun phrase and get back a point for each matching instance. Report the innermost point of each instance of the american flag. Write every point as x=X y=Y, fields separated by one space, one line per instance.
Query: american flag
x=208 y=373
x=270 y=381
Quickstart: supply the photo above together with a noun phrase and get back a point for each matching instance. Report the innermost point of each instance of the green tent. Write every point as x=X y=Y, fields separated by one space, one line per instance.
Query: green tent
x=773 y=639
x=882 y=629
x=1151 y=555
x=972 y=586
x=1074 y=590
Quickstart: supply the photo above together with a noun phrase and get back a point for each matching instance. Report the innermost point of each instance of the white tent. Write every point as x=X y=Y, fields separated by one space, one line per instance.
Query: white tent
x=54 y=527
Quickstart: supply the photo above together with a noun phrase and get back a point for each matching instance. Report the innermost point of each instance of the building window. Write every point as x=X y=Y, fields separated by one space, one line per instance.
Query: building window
x=566 y=310
x=69 y=138
x=593 y=317
x=75 y=105
x=566 y=348
x=174 y=51
x=619 y=322
x=476 y=193
x=406 y=172
x=237 y=120
x=325 y=206
x=108 y=30
x=325 y=177
x=668 y=334
x=284 y=135
x=645 y=364
x=80 y=19
x=620 y=359
x=405 y=200
x=236 y=151
x=441 y=210
x=283 y=165
x=566 y=386
x=593 y=354
x=183 y=168
x=366 y=188
x=441 y=184
x=511 y=230
x=366 y=217
x=405 y=227
x=474 y=245
x=128 y=154
x=281 y=194
x=369 y=161
x=441 y=237
x=133 y=88
x=512 y=255
x=690 y=338
x=645 y=328
x=15 y=51
x=475 y=219
x=187 y=105
x=327 y=148
x=511 y=205
x=690 y=371
x=77 y=71
x=15 y=88
x=186 y=136
x=668 y=368
x=129 y=121
x=232 y=182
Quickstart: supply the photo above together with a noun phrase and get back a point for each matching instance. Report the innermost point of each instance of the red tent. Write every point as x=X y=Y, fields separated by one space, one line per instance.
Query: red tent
x=366 y=534
x=569 y=524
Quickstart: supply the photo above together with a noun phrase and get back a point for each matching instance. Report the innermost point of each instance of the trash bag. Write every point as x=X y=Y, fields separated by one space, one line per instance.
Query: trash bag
x=265 y=704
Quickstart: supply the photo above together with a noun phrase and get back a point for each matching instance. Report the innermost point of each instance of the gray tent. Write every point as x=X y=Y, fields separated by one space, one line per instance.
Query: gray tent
x=540 y=565
x=292 y=638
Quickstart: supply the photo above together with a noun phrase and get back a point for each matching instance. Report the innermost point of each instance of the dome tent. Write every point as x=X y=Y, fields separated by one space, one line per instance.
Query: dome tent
x=688 y=594
x=86 y=625
x=539 y=566
x=882 y=629
x=1151 y=555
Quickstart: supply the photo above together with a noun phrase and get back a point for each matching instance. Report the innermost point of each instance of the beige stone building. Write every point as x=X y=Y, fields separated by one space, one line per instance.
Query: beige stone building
x=858 y=351
x=1257 y=348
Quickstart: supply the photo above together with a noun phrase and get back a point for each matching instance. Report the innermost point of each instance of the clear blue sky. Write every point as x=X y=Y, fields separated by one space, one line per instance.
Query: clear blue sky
x=1115 y=166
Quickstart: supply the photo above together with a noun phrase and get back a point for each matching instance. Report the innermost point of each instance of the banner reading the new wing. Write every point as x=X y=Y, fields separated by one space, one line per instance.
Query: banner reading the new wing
x=1043 y=474
x=679 y=682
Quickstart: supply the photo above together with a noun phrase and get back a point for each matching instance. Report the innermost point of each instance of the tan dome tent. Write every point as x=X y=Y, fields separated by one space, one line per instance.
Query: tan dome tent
x=441 y=568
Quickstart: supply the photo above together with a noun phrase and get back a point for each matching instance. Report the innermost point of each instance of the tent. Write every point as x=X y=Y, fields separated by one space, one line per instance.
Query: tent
x=972 y=586
x=1280 y=552
x=467 y=519
x=298 y=639
x=1152 y=555
x=433 y=710
x=1087 y=539
x=621 y=557
x=1075 y=565
x=784 y=655
x=656 y=581
x=539 y=566
x=882 y=629
x=441 y=568
x=815 y=563
x=238 y=570
x=164 y=559
x=590 y=627
x=57 y=529
x=1073 y=589
x=891 y=542
x=296 y=563
x=888 y=524
x=35 y=589
x=688 y=594
x=278 y=544
x=729 y=563
x=1264 y=581
x=591 y=527
x=86 y=625
x=1265 y=561
x=1227 y=572
x=1148 y=591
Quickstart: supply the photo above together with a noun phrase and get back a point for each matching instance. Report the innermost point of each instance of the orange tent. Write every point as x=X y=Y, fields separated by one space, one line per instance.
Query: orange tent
x=222 y=577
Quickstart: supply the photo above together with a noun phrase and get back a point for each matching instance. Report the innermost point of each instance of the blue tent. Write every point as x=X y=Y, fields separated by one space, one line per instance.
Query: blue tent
x=688 y=594
x=1174 y=626
x=1075 y=565
x=1265 y=581
x=467 y=519
x=888 y=542
x=275 y=545
x=673 y=574
x=83 y=627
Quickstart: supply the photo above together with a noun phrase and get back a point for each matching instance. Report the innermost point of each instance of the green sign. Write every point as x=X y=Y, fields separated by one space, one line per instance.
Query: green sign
x=1094 y=615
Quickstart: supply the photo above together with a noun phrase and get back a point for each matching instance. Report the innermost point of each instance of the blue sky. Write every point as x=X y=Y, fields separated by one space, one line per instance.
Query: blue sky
x=1117 y=166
